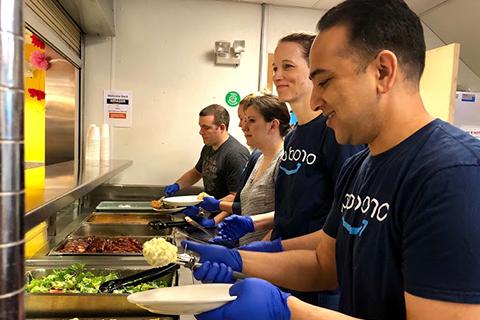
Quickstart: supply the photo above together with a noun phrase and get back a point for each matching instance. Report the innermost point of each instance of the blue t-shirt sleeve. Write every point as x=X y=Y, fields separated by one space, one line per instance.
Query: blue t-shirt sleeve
x=441 y=237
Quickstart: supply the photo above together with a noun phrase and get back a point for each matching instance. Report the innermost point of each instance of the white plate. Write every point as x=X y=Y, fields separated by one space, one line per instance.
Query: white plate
x=182 y=201
x=170 y=210
x=191 y=299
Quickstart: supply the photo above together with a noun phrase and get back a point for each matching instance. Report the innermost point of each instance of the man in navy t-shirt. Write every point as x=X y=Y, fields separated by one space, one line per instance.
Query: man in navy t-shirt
x=406 y=224
x=402 y=239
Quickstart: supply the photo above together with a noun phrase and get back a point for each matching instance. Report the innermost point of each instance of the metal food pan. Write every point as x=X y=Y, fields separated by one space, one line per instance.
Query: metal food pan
x=56 y=251
x=80 y=305
x=124 y=218
x=124 y=206
x=124 y=230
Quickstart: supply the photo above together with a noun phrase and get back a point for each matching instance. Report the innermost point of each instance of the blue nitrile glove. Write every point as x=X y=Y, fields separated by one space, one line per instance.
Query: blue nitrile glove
x=223 y=257
x=193 y=212
x=223 y=242
x=210 y=204
x=257 y=299
x=235 y=227
x=264 y=246
x=214 y=272
x=171 y=189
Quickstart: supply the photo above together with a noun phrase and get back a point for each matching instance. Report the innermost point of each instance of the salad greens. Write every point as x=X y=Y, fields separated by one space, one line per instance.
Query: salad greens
x=76 y=279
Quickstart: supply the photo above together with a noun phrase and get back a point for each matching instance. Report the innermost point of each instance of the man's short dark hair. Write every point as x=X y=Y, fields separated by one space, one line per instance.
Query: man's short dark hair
x=376 y=25
x=220 y=114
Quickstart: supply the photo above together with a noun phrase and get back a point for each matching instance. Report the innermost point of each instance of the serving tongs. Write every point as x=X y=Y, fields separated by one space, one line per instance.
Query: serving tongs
x=183 y=259
x=142 y=277
x=160 y=225
x=191 y=262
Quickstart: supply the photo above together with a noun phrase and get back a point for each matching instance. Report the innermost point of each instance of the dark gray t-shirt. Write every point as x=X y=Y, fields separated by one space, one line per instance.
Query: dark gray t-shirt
x=221 y=169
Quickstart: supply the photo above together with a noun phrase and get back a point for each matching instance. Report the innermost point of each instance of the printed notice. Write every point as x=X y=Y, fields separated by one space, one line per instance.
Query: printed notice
x=117 y=108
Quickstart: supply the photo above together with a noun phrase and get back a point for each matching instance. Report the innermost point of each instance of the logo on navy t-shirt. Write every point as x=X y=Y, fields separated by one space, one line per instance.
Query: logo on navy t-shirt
x=368 y=207
x=299 y=156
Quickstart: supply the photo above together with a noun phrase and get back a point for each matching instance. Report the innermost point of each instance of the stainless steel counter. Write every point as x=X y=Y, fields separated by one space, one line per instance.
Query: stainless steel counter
x=50 y=188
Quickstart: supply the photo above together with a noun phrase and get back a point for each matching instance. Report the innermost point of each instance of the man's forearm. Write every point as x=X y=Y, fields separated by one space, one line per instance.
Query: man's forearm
x=229 y=197
x=303 y=311
x=298 y=270
x=306 y=242
x=219 y=217
x=226 y=206
x=189 y=178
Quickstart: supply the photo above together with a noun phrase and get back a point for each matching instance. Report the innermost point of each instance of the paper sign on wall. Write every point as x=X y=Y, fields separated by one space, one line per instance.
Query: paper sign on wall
x=117 y=108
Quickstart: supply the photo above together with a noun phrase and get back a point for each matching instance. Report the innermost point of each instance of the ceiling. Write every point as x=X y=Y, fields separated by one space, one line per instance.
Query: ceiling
x=419 y=6
x=450 y=20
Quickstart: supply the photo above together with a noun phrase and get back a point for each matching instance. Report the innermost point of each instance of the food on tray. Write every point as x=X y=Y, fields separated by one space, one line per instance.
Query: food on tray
x=160 y=204
x=118 y=218
x=202 y=195
x=93 y=244
x=77 y=279
x=158 y=252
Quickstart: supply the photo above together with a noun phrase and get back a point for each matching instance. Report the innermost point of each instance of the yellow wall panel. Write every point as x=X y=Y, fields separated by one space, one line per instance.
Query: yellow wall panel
x=439 y=81
x=34 y=107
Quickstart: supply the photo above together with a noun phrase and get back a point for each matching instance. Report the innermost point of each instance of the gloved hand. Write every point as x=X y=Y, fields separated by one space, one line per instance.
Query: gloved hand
x=226 y=261
x=210 y=204
x=223 y=242
x=171 y=189
x=264 y=246
x=257 y=299
x=235 y=227
x=214 y=272
x=193 y=212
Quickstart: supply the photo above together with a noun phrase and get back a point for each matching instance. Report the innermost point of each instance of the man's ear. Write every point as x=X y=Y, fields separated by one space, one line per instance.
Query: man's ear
x=386 y=66
x=223 y=127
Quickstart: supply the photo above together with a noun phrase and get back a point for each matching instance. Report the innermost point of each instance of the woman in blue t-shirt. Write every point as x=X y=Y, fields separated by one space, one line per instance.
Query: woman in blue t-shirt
x=310 y=164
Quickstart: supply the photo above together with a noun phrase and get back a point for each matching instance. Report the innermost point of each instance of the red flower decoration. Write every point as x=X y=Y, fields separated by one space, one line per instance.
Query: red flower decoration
x=39 y=60
x=37 y=42
x=35 y=93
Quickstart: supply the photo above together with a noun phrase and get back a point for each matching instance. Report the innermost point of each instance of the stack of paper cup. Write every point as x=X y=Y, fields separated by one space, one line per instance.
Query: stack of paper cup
x=105 y=142
x=92 y=144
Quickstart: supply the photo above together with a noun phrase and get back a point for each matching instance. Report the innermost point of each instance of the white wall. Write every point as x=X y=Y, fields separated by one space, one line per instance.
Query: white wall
x=163 y=52
x=285 y=20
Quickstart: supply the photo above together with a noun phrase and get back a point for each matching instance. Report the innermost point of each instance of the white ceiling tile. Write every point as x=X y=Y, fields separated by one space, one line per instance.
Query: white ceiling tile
x=457 y=21
x=326 y=4
x=292 y=3
x=421 y=6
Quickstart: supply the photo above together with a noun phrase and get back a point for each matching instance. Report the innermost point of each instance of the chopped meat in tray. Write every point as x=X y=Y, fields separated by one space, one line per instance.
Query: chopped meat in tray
x=93 y=244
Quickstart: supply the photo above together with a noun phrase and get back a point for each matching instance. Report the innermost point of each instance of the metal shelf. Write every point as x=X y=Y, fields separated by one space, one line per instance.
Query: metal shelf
x=63 y=183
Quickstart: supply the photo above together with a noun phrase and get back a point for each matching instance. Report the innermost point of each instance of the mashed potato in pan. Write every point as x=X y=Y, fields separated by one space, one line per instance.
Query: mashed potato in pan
x=158 y=252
